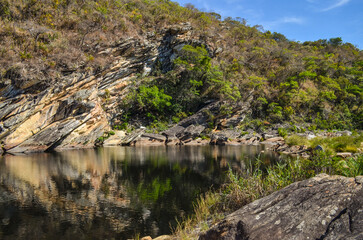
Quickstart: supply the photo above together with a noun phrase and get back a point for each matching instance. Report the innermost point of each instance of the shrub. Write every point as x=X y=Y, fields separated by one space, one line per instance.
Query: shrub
x=151 y=99
x=282 y=132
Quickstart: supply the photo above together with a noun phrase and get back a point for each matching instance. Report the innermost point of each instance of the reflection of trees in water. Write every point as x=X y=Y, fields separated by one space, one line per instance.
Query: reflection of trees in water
x=109 y=192
x=66 y=189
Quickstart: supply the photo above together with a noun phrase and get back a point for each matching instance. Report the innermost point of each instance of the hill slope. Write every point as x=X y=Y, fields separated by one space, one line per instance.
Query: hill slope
x=71 y=70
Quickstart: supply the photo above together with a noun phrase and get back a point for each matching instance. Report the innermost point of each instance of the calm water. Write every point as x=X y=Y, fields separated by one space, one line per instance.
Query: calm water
x=110 y=193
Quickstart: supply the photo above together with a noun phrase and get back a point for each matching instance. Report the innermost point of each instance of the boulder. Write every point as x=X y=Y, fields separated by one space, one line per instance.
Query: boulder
x=225 y=137
x=323 y=207
x=173 y=131
x=191 y=132
x=218 y=139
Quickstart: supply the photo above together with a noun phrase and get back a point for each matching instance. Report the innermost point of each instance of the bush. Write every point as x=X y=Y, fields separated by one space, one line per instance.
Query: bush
x=151 y=99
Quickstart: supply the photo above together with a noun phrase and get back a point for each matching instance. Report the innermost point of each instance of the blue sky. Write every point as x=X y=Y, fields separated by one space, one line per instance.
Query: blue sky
x=299 y=20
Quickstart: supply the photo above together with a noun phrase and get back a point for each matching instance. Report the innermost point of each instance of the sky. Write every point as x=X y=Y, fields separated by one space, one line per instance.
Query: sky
x=298 y=20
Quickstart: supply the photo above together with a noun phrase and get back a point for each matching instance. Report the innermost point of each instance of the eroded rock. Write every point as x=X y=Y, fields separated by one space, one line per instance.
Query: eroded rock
x=323 y=207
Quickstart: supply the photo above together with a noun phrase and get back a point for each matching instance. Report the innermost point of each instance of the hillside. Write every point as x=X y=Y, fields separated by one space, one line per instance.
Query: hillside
x=72 y=70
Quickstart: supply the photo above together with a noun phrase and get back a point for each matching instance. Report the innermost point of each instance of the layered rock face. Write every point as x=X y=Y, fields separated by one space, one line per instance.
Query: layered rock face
x=75 y=111
x=324 y=207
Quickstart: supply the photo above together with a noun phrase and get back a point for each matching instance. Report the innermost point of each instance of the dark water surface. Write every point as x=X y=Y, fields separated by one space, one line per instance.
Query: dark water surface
x=110 y=193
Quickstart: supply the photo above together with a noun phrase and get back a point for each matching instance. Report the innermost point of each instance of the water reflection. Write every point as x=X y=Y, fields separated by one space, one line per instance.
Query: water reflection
x=109 y=193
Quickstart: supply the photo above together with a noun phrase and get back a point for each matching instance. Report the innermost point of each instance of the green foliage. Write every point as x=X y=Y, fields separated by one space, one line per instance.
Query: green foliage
x=336 y=41
x=153 y=100
x=154 y=190
x=157 y=126
x=205 y=81
x=329 y=144
x=338 y=144
x=282 y=132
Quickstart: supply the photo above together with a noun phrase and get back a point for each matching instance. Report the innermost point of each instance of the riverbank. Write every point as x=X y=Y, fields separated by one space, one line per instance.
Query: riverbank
x=341 y=143
x=244 y=188
x=314 y=156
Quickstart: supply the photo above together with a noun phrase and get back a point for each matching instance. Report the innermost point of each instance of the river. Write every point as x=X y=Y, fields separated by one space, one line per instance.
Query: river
x=111 y=193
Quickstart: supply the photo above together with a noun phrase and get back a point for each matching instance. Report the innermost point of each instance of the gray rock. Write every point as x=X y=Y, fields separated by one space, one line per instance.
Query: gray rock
x=191 y=132
x=173 y=131
x=323 y=207
x=217 y=139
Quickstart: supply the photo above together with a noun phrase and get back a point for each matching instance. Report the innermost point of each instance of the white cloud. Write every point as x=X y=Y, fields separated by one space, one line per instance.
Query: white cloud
x=292 y=20
x=337 y=4
x=284 y=20
x=327 y=5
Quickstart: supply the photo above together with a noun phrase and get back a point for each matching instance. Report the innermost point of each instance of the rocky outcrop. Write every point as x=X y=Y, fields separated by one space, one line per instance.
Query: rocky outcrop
x=77 y=109
x=58 y=117
x=187 y=130
x=324 y=207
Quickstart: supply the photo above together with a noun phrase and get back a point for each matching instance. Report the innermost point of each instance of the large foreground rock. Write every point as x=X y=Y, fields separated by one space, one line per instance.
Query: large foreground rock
x=323 y=207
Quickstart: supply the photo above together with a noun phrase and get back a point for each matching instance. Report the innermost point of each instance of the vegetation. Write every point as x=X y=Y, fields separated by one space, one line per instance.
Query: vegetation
x=329 y=144
x=317 y=82
x=259 y=181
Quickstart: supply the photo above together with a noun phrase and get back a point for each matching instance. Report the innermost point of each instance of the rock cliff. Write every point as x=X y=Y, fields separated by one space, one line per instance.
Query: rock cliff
x=75 y=111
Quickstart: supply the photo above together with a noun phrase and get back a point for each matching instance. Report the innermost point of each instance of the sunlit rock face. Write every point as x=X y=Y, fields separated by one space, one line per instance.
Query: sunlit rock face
x=75 y=111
